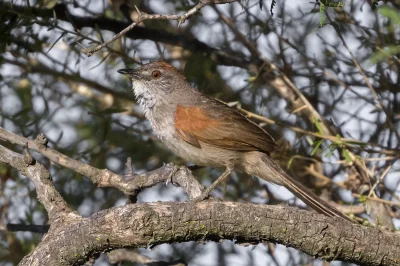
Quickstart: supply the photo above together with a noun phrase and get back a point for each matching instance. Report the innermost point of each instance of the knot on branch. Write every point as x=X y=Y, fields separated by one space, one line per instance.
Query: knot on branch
x=28 y=159
x=41 y=141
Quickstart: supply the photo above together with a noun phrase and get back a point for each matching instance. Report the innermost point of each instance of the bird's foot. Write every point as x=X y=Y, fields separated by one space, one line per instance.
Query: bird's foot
x=173 y=169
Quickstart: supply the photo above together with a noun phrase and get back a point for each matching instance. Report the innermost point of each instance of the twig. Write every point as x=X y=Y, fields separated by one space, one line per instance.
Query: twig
x=391 y=203
x=34 y=228
x=387 y=158
x=144 y=16
x=241 y=37
x=311 y=170
x=380 y=179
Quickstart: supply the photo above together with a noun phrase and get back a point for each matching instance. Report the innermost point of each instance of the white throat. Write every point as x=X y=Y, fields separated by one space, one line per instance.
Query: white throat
x=145 y=99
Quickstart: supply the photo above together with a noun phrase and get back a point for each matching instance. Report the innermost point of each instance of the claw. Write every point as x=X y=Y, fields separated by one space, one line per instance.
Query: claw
x=129 y=169
x=171 y=175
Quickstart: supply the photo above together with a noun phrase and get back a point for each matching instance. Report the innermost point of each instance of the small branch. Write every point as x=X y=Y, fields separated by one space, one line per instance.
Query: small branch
x=34 y=228
x=390 y=203
x=144 y=16
x=105 y=178
x=311 y=170
x=54 y=204
x=349 y=209
x=121 y=255
x=379 y=180
x=39 y=68
x=242 y=38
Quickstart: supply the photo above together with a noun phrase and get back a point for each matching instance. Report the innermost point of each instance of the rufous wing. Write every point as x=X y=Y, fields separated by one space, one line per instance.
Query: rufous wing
x=219 y=125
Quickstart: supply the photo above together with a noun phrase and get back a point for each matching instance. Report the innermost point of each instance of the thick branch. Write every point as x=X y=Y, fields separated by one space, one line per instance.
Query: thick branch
x=143 y=225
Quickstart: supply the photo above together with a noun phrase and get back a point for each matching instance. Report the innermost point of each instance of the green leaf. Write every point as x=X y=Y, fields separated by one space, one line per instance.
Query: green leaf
x=363 y=199
x=346 y=155
x=332 y=4
x=384 y=54
x=316 y=146
x=252 y=79
x=290 y=162
x=309 y=140
x=356 y=142
x=391 y=13
x=322 y=8
x=332 y=148
x=322 y=16
x=318 y=125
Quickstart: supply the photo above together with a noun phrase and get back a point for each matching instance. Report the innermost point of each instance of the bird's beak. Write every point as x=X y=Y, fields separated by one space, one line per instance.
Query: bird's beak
x=133 y=73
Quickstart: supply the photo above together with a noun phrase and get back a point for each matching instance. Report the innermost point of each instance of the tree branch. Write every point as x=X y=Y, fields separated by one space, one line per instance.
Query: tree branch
x=189 y=43
x=121 y=255
x=144 y=16
x=130 y=186
x=54 y=204
x=74 y=241
x=148 y=225
x=34 y=228
x=35 y=66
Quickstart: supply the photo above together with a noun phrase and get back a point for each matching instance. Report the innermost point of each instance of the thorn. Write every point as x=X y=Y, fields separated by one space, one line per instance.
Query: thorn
x=233 y=104
x=81 y=45
x=180 y=21
x=137 y=9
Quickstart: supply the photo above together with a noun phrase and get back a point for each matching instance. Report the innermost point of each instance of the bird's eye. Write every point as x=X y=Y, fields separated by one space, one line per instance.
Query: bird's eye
x=156 y=74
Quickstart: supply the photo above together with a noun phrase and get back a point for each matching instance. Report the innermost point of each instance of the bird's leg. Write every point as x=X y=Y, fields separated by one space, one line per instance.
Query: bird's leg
x=220 y=179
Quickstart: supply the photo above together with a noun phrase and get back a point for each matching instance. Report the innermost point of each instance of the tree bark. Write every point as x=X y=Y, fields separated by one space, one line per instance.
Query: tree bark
x=151 y=224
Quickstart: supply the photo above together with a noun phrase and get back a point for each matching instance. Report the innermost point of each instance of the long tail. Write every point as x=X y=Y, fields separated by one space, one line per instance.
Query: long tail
x=272 y=172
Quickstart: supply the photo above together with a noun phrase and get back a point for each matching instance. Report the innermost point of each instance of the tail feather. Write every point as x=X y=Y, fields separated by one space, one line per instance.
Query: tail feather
x=274 y=173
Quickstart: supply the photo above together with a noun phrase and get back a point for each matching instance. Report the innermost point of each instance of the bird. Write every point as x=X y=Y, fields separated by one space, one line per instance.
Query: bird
x=205 y=131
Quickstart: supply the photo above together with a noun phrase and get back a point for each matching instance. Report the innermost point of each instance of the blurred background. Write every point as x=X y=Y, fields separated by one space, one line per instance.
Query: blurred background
x=323 y=80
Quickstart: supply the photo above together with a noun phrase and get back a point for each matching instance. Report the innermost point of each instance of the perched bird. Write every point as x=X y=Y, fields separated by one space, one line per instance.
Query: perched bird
x=207 y=132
